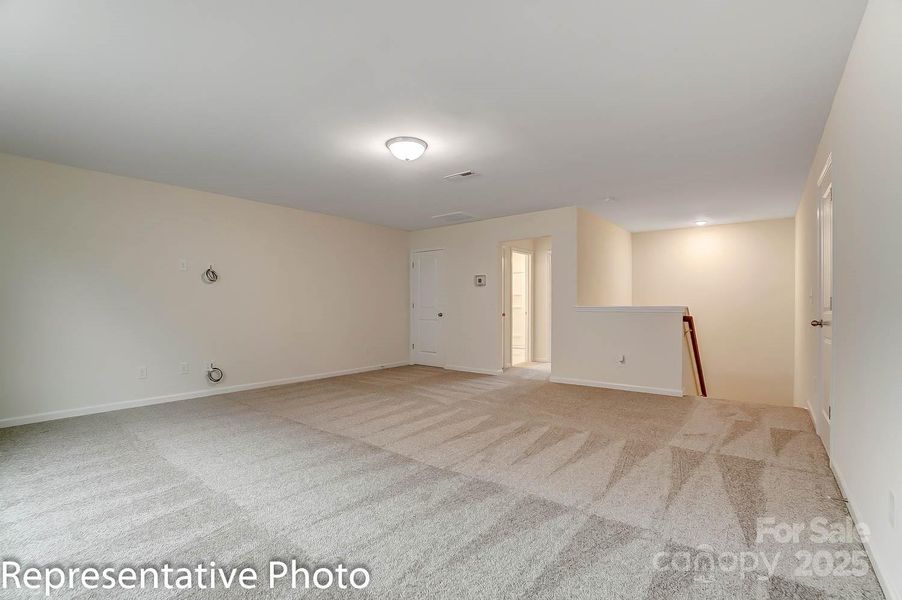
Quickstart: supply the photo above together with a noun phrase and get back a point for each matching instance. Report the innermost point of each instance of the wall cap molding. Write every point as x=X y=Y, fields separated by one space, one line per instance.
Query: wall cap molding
x=633 y=309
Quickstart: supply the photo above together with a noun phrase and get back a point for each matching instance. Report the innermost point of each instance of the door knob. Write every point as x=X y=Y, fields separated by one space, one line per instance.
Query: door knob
x=441 y=314
x=817 y=323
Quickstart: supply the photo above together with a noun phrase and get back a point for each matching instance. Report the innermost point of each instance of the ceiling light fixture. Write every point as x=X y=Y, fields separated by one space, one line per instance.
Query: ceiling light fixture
x=406 y=148
x=701 y=223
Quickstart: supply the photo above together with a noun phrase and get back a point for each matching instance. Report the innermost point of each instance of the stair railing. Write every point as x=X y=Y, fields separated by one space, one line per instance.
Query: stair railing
x=696 y=354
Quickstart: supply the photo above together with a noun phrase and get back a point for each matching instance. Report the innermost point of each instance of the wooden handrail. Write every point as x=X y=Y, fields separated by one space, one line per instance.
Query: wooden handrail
x=689 y=320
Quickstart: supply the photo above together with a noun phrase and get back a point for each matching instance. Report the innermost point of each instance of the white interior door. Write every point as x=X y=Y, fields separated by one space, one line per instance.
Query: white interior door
x=824 y=320
x=520 y=307
x=427 y=308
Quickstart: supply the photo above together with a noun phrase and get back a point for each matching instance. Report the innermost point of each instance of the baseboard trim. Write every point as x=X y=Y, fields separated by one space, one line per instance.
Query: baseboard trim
x=213 y=391
x=889 y=591
x=475 y=370
x=617 y=386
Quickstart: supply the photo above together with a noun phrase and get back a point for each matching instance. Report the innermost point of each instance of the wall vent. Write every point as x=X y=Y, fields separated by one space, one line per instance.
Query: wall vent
x=453 y=217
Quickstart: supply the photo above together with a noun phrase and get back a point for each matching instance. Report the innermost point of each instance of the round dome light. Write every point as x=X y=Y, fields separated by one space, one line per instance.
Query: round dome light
x=406 y=148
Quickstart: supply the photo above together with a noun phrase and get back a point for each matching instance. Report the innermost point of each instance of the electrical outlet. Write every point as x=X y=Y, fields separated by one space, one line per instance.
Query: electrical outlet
x=183 y=264
x=892 y=509
x=183 y=368
x=142 y=372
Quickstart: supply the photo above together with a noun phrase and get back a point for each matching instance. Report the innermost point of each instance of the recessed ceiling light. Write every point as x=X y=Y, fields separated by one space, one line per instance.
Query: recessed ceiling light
x=701 y=223
x=406 y=148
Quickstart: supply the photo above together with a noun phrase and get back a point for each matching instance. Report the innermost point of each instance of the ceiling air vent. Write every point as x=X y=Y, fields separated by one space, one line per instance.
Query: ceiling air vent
x=459 y=175
x=453 y=217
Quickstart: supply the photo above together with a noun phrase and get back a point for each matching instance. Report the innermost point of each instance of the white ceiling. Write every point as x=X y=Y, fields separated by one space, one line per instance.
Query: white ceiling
x=679 y=109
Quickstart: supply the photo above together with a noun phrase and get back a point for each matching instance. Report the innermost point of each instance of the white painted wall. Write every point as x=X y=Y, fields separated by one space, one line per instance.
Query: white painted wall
x=90 y=289
x=864 y=134
x=649 y=340
x=737 y=280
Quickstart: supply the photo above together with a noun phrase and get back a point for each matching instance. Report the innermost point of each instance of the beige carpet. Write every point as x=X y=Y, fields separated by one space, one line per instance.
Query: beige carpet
x=444 y=484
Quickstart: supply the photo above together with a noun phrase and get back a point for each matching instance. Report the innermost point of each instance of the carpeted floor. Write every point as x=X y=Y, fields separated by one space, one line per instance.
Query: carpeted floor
x=444 y=484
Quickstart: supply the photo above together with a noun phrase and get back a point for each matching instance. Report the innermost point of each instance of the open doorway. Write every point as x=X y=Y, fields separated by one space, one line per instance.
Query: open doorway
x=526 y=302
x=521 y=298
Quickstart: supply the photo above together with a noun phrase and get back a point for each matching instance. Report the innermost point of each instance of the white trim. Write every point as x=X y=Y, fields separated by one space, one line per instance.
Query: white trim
x=633 y=309
x=826 y=168
x=475 y=370
x=617 y=386
x=888 y=590
x=213 y=391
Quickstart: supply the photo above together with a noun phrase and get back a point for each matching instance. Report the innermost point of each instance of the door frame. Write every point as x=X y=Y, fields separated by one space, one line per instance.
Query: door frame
x=824 y=388
x=412 y=310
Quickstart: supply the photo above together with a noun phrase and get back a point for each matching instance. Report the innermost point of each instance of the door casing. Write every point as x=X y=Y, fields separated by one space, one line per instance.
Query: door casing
x=823 y=409
x=416 y=356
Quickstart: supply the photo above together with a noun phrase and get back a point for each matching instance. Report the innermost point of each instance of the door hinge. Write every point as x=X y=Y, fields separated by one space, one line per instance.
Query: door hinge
x=412 y=265
x=829 y=412
x=412 y=346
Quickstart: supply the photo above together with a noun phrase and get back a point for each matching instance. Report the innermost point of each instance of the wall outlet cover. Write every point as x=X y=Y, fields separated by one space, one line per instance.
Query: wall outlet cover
x=142 y=372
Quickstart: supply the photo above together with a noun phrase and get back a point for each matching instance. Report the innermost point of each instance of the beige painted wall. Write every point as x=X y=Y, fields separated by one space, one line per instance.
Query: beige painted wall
x=585 y=346
x=473 y=324
x=542 y=302
x=604 y=256
x=91 y=290
x=737 y=280
x=863 y=134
